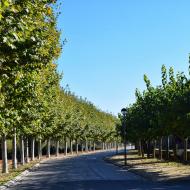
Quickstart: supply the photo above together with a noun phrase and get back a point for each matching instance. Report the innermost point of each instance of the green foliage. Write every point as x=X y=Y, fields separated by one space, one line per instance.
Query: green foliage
x=162 y=110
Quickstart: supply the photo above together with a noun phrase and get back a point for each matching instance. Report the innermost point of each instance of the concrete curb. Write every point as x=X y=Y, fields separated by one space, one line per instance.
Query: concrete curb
x=19 y=177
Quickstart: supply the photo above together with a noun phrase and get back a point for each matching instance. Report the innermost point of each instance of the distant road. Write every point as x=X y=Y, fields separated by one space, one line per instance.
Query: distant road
x=88 y=172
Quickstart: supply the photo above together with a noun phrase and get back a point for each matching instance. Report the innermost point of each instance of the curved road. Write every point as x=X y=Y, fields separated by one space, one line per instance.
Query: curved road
x=87 y=172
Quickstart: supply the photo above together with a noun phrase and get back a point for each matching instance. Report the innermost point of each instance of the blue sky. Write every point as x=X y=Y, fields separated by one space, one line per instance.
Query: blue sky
x=112 y=43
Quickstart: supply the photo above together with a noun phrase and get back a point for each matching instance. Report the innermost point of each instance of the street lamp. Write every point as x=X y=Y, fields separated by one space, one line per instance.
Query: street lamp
x=124 y=113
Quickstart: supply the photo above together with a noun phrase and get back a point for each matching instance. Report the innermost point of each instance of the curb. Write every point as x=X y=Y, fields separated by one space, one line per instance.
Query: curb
x=19 y=177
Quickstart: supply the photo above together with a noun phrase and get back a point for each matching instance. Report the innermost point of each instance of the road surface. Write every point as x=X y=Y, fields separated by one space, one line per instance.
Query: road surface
x=88 y=172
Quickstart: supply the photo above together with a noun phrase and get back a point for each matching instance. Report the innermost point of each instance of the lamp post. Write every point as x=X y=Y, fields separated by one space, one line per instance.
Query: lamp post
x=124 y=113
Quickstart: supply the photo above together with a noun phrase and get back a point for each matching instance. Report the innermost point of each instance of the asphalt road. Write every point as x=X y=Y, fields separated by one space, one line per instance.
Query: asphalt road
x=88 y=172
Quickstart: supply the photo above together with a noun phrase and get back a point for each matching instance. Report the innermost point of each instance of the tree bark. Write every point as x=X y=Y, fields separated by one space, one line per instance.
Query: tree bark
x=48 y=148
x=103 y=146
x=82 y=147
x=14 y=159
x=160 y=149
x=139 y=148
x=86 y=146
x=168 y=148
x=142 y=148
x=57 y=148
x=71 y=146
x=39 y=149
x=32 y=149
x=185 y=149
x=22 y=150
x=90 y=146
x=65 y=147
x=4 y=155
x=154 y=151
x=117 y=147
x=148 y=149
x=77 y=147
x=94 y=147
x=27 y=151
x=175 y=151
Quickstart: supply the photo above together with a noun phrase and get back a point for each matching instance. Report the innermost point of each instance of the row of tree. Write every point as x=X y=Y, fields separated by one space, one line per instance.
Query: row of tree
x=158 y=122
x=33 y=106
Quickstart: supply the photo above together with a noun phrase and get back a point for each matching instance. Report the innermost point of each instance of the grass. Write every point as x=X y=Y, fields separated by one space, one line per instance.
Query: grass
x=4 y=178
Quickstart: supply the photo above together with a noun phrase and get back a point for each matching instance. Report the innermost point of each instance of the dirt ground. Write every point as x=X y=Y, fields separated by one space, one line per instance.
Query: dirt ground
x=153 y=169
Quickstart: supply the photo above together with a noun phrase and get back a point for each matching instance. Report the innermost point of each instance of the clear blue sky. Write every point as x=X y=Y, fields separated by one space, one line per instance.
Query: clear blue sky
x=112 y=43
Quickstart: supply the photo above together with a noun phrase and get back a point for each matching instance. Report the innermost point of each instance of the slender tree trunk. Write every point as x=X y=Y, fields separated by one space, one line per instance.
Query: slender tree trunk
x=27 y=151
x=103 y=145
x=39 y=149
x=66 y=147
x=4 y=155
x=117 y=147
x=77 y=147
x=160 y=149
x=32 y=148
x=90 y=146
x=71 y=146
x=94 y=147
x=57 y=148
x=142 y=148
x=154 y=153
x=148 y=149
x=185 y=149
x=22 y=150
x=175 y=151
x=139 y=148
x=168 y=148
x=14 y=159
x=82 y=147
x=48 y=148
x=86 y=146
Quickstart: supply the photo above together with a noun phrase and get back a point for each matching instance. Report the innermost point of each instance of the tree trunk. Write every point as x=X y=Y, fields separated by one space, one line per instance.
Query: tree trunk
x=175 y=151
x=57 y=148
x=32 y=148
x=4 y=155
x=148 y=149
x=22 y=150
x=27 y=151
x=185 y=149
x=103 y=146
x=71 y=146
x=168 y=148
x=94 y=147
x=154 y=151
x=48 y=154
x=90 y=146
x=140 y=148
x=116 y=147
x=160 y=149
x=77 y=147
x=65 y=147
x=14 y=159
x=81 y=147
x=86 y=146
x=39 y=149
